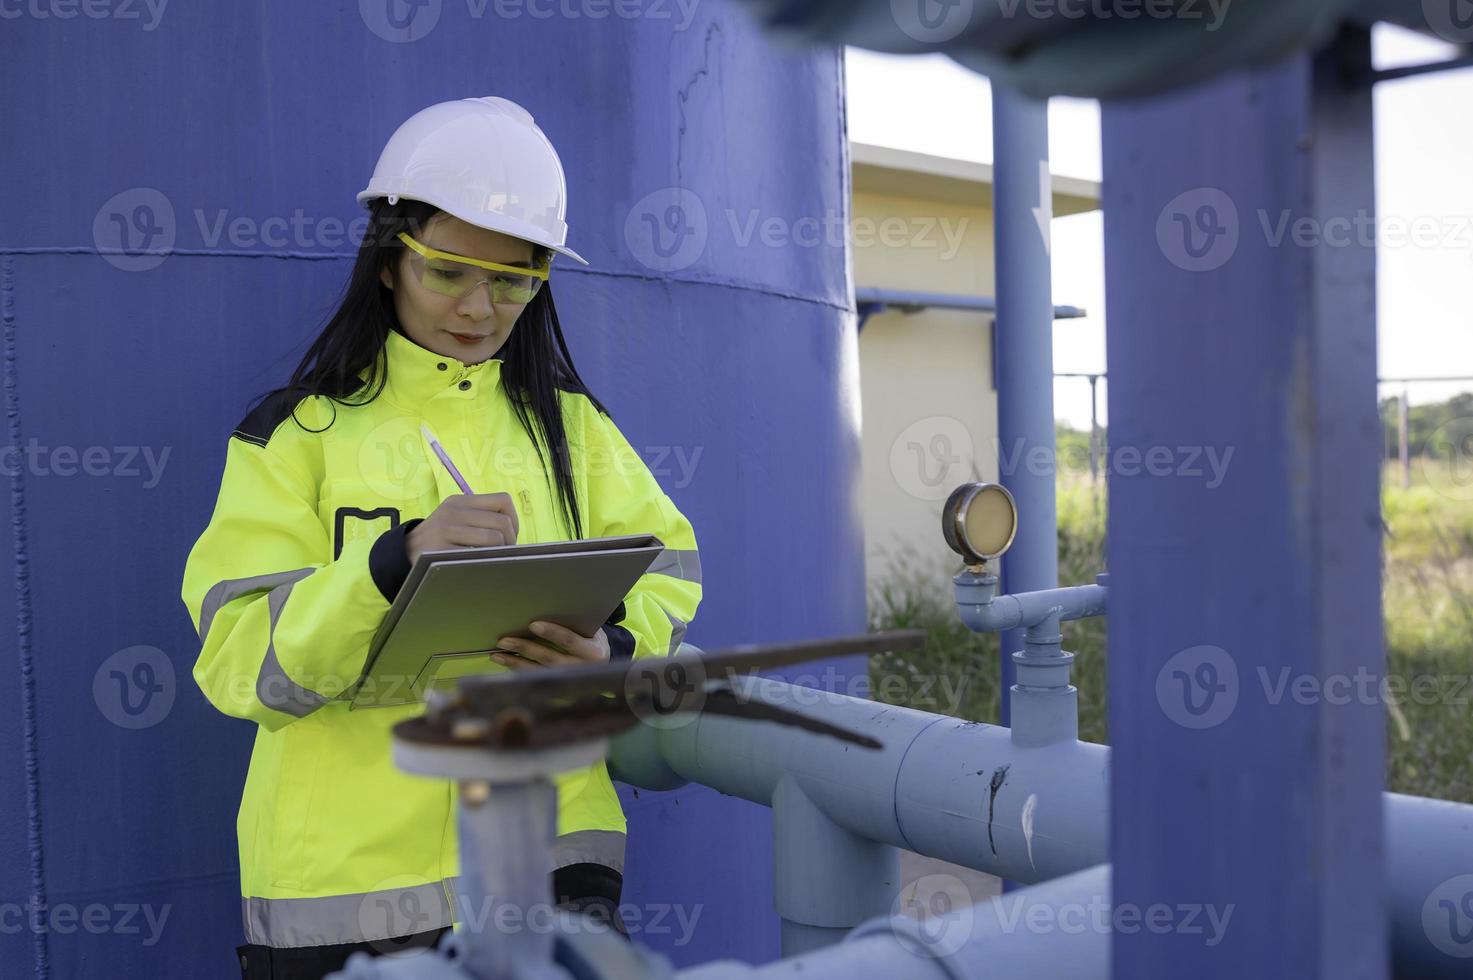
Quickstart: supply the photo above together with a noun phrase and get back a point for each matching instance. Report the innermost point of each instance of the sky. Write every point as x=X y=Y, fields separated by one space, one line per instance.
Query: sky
x=1424 y=162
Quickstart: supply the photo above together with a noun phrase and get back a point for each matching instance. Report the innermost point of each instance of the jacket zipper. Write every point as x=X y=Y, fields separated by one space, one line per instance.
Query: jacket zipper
x=526 y=511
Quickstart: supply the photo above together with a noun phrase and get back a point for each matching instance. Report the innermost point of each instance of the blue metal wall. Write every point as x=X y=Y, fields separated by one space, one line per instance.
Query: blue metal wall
x=142 y=130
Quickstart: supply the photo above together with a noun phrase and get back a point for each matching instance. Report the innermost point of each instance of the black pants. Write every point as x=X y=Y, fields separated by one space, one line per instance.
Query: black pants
x=592 y=889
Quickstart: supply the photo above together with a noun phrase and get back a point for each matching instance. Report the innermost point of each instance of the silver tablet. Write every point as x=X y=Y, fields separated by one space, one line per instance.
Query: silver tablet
x=456 y=604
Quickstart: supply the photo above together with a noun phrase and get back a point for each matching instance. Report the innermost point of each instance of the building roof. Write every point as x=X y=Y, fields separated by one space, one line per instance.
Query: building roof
x=904 y=173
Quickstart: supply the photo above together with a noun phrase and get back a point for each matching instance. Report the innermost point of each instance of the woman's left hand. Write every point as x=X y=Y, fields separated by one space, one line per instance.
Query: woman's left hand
x=560 y=647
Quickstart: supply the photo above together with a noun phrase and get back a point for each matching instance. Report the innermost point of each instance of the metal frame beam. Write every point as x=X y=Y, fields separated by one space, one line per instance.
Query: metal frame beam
x=868 y=301
x=1229 y=788
x=1023 y=205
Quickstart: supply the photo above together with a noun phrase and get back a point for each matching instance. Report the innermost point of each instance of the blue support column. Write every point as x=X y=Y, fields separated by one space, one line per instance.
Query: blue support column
x=1023 y=204
x=1245 y=599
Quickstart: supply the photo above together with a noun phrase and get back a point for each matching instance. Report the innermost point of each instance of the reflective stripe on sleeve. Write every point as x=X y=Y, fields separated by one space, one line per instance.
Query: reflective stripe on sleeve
x=677 y=563
x=231 y=589
x=677 y=632
x=273 y=687
x=604 y=847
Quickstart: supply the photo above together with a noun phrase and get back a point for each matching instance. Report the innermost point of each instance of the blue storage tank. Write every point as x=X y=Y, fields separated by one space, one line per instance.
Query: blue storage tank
x=180 y=182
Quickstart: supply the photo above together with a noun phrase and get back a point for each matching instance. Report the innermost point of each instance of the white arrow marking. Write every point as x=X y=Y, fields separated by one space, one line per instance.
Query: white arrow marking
x=1029 y=806
x=1043 y=214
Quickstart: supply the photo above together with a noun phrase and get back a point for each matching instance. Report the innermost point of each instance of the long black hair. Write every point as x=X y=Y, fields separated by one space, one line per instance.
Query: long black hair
x=536 y=363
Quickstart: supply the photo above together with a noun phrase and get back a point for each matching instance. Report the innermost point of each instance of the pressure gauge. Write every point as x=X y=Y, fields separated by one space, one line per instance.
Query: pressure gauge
x=979 y=521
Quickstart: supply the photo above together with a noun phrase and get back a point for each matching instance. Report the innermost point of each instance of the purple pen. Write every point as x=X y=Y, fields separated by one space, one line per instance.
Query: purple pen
x=445 y=458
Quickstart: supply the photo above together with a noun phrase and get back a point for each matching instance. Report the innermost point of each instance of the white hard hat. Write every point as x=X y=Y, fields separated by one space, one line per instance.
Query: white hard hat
x=484 y=161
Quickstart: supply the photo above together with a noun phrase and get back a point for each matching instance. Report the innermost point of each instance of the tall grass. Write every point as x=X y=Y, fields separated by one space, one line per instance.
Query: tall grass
x=1428 y=601
x=1427 y=587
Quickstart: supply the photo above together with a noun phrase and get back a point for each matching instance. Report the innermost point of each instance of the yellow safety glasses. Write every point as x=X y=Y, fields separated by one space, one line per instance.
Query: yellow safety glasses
x=456 y=275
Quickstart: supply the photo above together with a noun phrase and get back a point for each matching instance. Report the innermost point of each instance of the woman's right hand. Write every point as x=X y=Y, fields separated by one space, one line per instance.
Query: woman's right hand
x=466 y=520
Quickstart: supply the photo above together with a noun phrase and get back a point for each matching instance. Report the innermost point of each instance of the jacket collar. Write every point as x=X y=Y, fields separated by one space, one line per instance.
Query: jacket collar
x=416 y=374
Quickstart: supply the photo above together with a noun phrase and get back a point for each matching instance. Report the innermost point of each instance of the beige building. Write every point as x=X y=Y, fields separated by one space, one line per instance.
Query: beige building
x=924 y=224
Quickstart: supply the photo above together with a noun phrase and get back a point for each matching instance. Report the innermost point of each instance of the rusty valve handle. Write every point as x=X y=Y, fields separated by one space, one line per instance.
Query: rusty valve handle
x=559 y=705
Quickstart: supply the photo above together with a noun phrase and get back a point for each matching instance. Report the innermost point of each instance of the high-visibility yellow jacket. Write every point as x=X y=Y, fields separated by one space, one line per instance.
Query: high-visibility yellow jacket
x=293 y=576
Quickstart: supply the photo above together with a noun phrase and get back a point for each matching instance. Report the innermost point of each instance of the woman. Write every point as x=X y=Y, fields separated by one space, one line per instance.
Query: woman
x=329 y=494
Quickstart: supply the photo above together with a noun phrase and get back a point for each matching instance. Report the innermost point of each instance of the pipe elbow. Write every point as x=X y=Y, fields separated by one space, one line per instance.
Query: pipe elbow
x=975 y=594
x=1002 y=613
x=637 y=757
